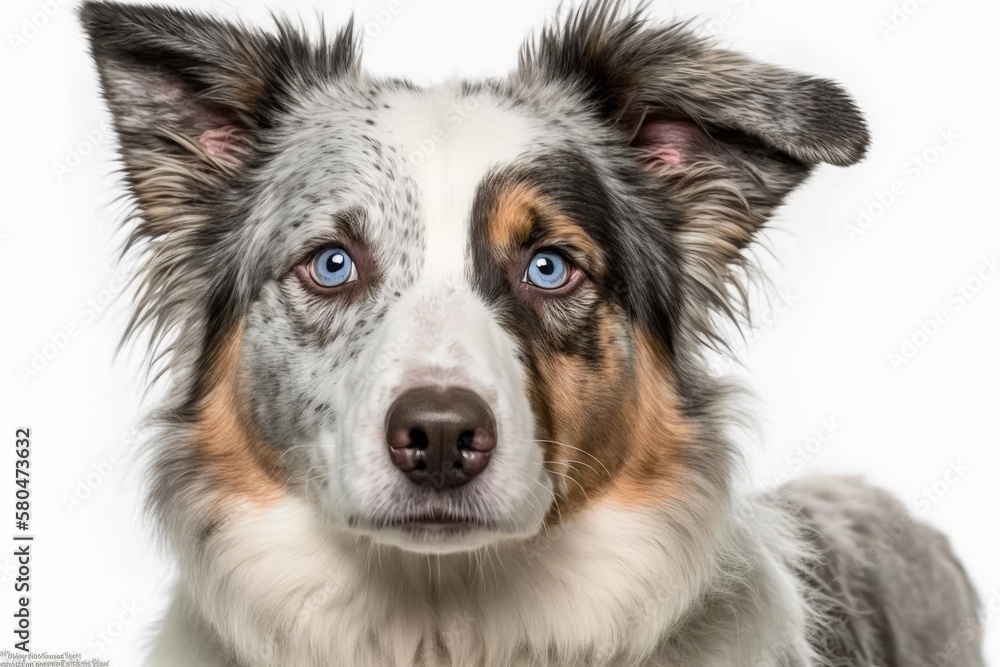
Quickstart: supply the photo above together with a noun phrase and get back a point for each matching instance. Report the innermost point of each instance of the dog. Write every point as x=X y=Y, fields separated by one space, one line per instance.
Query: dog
x=439 y=390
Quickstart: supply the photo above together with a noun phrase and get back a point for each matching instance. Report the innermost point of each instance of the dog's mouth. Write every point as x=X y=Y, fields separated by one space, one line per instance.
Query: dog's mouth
x=431 y=531
x=429 y=519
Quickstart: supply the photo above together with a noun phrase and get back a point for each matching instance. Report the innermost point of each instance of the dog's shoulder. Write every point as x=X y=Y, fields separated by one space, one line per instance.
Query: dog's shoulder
x=887 y=585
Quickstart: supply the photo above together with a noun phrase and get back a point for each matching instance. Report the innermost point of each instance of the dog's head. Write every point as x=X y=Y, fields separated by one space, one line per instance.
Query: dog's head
x=449 y=316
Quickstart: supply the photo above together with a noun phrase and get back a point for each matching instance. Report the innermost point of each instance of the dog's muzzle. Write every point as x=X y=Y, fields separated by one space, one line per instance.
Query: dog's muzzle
x=440 y=436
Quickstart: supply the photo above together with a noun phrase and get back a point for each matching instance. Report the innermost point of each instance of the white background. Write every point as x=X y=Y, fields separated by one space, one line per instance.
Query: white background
x=842 y=301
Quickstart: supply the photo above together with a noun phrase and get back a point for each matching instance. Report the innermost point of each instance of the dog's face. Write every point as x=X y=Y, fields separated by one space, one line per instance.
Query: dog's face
x=394 y=350
x=450 y=316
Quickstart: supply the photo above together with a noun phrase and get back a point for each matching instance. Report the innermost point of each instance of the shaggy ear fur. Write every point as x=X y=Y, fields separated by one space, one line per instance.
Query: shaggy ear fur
x=176 y=80
x=191 y=97
x=723 y=136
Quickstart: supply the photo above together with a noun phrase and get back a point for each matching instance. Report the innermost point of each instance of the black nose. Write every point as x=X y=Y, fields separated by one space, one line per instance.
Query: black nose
x=440 y=436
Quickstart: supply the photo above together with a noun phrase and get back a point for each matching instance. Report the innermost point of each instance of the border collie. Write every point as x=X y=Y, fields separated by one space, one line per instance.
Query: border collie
x=438 y=358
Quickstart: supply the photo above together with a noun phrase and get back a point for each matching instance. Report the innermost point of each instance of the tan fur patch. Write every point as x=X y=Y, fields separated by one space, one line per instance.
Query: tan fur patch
x=657 y=432
x=615 y=431
x=242 y=464
x=514 y=216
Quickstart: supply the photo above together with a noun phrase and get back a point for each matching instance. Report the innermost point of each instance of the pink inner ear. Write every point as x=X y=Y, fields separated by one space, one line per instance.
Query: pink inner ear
x=666 y=141
x=220 y=140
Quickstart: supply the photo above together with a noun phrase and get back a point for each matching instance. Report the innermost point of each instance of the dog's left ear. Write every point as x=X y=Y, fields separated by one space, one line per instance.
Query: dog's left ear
x=725 y=138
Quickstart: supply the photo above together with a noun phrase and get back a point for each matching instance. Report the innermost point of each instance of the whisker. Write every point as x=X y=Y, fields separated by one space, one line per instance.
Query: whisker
x=566 y=444
x=561 y=474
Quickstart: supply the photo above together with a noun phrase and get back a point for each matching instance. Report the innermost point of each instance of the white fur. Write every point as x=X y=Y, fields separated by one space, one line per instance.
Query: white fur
x=439 y=332
x=607 y=588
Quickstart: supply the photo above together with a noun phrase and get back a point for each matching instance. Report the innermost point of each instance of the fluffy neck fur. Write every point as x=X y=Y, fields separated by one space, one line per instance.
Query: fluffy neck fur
x=613 y=586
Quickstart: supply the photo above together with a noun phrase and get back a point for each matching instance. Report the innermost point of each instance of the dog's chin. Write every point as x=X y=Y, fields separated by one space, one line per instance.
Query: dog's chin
x=437 y=534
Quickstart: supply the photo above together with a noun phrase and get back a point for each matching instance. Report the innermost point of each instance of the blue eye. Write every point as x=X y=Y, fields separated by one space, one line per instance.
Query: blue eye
x=333 y=267
x=547 y=270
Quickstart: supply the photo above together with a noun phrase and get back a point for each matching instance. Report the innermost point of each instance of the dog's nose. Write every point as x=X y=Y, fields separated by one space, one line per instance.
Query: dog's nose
x=440 y=436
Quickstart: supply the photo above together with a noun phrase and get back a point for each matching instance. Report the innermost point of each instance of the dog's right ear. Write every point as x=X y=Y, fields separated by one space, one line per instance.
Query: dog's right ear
x=186 y=87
